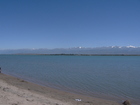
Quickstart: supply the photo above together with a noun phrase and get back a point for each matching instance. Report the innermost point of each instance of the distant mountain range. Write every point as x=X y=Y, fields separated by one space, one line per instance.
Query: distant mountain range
x=77 y=50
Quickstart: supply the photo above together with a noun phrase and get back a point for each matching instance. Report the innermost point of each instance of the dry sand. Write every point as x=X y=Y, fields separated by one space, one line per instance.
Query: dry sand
x=14 y=91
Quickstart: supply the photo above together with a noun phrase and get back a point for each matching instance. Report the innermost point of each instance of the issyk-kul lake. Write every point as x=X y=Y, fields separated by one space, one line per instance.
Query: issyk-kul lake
x=97 y=76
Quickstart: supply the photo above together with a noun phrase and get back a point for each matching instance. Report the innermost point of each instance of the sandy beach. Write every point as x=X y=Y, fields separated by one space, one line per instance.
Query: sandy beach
x=15 y=91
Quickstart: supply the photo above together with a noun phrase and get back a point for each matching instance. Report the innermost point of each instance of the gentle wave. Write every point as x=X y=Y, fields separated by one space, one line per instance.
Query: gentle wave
x=90 y=75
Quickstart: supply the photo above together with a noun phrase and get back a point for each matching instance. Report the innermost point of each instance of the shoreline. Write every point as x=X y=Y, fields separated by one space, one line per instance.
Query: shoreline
x=19 y=88
x=73 y=54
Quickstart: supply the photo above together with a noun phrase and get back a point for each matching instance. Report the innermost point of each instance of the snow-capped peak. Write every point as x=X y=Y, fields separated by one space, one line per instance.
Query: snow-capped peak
x=130 y=46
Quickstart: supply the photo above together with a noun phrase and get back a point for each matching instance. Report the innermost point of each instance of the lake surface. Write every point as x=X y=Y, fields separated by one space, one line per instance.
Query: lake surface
x=112 y=76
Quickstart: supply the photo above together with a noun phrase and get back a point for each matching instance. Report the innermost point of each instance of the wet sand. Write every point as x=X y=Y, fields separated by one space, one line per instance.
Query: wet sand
x=15 y=91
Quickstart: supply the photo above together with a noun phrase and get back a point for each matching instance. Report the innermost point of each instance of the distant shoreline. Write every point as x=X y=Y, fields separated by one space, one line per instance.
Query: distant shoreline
x=76 y=54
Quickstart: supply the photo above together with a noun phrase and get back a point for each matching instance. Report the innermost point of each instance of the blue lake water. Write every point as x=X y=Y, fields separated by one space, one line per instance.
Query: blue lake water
x=115 y=76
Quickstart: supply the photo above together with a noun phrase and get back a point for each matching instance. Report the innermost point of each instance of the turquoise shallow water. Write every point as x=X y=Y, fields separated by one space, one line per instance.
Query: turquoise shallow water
x=115 y=76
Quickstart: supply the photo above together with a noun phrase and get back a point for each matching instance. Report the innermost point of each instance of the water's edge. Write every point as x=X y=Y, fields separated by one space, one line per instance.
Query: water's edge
x=118 y=99
x=86 y=75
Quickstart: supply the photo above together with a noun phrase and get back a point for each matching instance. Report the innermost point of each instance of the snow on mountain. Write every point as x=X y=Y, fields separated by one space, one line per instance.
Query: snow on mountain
x=131 y=46
x=77 y=50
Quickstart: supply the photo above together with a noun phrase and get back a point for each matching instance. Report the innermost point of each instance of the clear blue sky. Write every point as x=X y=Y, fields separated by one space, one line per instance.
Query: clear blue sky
x=69 y=23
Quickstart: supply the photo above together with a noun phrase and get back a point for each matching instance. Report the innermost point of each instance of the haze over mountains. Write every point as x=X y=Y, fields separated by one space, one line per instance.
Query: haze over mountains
x=76 y=50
